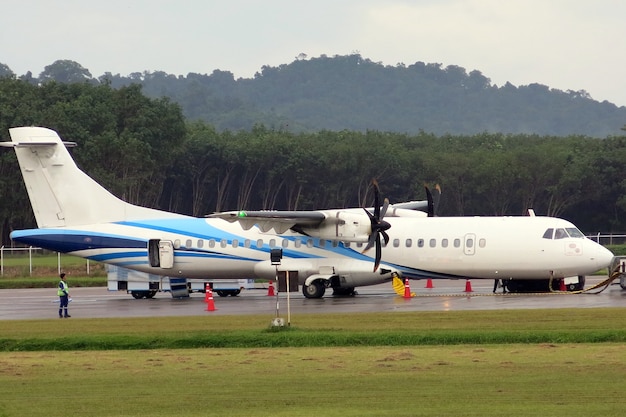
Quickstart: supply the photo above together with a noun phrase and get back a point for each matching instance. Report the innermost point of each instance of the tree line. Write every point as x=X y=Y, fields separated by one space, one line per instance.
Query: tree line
x=354 y=93
x=145 y=151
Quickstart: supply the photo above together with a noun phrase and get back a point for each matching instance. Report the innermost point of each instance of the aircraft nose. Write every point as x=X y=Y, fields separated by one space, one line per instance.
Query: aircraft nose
x=602 y=256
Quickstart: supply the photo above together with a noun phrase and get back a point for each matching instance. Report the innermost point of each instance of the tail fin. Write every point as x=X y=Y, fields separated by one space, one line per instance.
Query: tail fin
x=60 y=193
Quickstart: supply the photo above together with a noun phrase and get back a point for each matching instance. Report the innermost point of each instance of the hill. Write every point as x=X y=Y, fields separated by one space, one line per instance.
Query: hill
x=353 y=93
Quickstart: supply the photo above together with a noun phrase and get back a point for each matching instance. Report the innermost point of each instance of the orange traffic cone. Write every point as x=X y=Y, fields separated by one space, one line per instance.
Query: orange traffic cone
x=468 y=285
x=208 y=298
x=270 y=289
x=562 y=285
x=407 y=289
x=429 y=283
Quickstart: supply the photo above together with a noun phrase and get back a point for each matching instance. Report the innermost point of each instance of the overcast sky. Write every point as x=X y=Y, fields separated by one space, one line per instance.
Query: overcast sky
x=564 y=44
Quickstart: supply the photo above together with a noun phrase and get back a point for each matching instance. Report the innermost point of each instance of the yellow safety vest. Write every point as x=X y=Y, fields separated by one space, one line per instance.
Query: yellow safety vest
x=63 y=289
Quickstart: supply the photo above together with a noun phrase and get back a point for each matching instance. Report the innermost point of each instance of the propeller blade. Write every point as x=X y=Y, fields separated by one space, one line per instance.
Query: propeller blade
x=378 y=253
x=431 y=205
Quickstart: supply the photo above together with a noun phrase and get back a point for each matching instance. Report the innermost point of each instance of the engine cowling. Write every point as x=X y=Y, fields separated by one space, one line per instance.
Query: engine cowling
x=343 y=225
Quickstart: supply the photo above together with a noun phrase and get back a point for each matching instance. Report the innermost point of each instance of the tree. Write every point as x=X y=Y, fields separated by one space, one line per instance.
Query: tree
x=65 y=71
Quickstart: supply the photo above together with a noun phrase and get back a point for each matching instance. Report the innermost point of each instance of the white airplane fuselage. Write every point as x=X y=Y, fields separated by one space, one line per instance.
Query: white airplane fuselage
x=76 y=215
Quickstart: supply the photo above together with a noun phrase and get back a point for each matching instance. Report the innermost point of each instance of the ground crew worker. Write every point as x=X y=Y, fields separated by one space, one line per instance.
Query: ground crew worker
x=64 y=296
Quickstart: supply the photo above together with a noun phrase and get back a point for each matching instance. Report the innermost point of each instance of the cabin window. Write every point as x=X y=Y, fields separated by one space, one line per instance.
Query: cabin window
x=548 y=233
x=259 y=243
x=384 y=244
x=482 y=242
x=322 y=243
x=285 y=243
x=246 y=243
x=177 y=244
x=297 y=243
x=444 y=243
x=432 y=243
x=235 y=243
x=188 y=243
x=469 y=242
x=211 y=243
x=396 y=243
x=346 y=244
x=457 y=243
x=272 y=243
x=574 y=232
x=309 y=243
x=223 y=243
x=560 y=234
x=409 y=243
x=359 y=244
x=200 y=243
x=420 y=243
x=335 y=243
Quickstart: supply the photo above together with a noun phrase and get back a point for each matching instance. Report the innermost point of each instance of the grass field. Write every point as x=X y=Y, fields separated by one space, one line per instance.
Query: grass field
x=477 y=363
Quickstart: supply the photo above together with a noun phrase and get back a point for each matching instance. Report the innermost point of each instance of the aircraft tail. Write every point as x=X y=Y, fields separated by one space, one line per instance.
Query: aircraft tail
x=60 y=193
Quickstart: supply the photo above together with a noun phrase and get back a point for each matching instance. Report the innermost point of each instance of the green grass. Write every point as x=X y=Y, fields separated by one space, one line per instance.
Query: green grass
x=474 y=363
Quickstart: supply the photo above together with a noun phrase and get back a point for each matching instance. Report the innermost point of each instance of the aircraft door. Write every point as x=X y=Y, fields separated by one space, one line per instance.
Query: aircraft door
x=469 y=244
x=161 y=253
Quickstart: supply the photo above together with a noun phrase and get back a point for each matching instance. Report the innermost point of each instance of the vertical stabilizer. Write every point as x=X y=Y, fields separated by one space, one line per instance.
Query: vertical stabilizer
x=60 y=193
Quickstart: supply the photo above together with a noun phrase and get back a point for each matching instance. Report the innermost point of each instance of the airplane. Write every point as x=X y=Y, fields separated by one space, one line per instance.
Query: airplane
x=324 y=249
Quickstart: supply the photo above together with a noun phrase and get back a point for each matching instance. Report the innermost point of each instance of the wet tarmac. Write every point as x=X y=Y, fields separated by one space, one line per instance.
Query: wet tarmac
x=447 y=295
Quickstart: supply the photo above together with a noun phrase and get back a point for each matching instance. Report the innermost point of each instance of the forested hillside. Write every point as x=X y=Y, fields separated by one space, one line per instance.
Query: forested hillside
x=353 y=93
x=144 y=151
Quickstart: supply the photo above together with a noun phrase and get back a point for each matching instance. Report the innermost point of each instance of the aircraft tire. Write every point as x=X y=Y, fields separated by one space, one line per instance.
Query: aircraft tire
x=315 y=290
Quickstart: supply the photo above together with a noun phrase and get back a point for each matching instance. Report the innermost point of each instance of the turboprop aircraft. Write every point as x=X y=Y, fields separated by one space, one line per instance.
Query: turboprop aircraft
x=323 y=248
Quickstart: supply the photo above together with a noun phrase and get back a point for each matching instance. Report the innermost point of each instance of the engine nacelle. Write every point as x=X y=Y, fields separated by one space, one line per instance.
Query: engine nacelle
x=342 y=225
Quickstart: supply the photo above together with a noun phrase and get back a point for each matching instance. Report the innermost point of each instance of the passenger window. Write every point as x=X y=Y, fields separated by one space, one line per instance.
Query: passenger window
x=469 y=242
x=346 y=244
x=235 y=243
x=420 y=243
x=259 y=243
x=548 y=234
x=177 y=244
x=297 y=243
x=246 y=243
x=309 y=243
x=272 y=243
x=200 y=243
x=409 y=243
x=482 y=243
x=223 y=243
x=188 y=243
x=335 y=243
x=285 y=243
x=444 y=243
x=211 y=243
x=322 y=243
x=457 y=243
x=396 y=243
x=432 y=243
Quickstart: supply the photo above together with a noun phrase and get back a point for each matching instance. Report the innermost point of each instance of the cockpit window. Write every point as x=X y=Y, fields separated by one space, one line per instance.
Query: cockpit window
x=574 y=232
x=548 y=233
x=560 y=234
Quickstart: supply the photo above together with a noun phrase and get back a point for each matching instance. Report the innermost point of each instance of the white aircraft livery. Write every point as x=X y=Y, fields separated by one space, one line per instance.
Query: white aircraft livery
x=324 y=248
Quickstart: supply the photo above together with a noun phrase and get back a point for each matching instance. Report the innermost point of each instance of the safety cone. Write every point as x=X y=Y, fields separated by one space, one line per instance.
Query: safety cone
x=562 y=285
x=208 y=298
x=468 y=285
x=407 y=288
x=429 y=283
x=270 y=289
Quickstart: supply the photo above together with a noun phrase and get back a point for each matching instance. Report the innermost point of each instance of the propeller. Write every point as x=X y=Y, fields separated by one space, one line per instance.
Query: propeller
x=433 y=201
x=379 y=226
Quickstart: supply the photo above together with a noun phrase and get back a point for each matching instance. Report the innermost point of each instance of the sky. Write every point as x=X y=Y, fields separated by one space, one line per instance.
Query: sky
x=564 y=44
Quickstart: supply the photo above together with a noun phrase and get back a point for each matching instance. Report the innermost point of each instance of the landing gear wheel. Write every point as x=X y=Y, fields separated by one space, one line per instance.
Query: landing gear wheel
x=315 y=290
x=137 y=294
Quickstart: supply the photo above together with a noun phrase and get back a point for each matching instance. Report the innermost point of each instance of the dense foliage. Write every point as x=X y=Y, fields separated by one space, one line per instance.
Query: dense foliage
x=143 y=151
x=353 y=93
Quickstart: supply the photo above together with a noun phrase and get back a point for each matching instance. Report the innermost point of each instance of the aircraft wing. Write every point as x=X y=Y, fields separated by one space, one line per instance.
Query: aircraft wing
x=278 y=220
